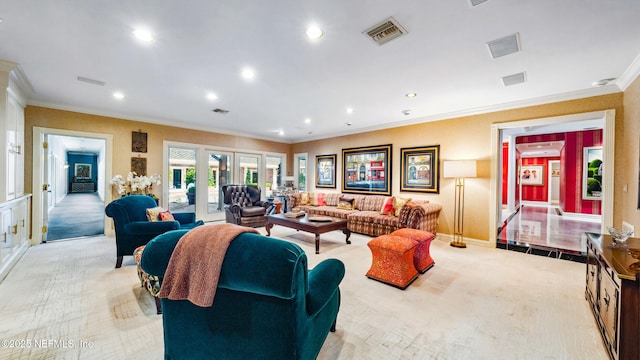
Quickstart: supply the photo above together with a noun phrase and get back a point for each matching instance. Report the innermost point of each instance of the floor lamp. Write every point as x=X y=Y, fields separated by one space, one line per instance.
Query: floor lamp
x=459 y=169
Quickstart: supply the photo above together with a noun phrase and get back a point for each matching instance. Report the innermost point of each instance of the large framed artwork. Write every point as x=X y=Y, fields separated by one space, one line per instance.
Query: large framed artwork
x=592 y=173
x=367 y=170
x=138 y=141
x=420 y=169
x=82 y=171
x=532 y=175
x=139 y=165
x=326 y=171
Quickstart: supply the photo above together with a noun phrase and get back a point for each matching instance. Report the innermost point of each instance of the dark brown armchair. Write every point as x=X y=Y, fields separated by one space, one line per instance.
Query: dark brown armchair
x=244 y=207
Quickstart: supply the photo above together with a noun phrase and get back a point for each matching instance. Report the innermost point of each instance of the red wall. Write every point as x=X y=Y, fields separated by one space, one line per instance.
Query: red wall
x=538 y=192
x=571 y=172
x=505 y=172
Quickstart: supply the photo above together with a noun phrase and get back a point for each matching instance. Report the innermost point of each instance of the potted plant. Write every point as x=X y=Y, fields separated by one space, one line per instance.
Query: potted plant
x=191 y=193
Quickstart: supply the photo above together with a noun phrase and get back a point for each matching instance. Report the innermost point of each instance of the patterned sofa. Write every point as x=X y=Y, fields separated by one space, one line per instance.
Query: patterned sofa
x=367 y=216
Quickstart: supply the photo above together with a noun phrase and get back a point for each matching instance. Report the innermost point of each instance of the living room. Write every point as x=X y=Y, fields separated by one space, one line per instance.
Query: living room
x=461 y=135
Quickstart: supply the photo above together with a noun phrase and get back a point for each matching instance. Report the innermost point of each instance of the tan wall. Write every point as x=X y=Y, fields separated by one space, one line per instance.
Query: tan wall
x=627 y=158
x=459 y=138
x=463 y=138
x=121 y=131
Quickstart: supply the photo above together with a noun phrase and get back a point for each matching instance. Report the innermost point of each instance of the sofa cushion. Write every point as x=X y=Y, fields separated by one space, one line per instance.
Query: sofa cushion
x=371 y=203
x=374 y=217
x=252 y=211
x=332 y=199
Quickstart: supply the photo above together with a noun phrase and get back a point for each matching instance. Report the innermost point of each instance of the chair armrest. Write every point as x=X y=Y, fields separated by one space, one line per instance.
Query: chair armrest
x=425 y=216
x=268 y=205
x=185 y=218
x=157 y=253
x=151 y=228
x=323 y=283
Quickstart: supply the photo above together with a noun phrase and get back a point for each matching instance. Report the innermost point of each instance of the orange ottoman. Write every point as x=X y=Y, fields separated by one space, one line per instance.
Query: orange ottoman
x=392 y=260
x=421 y=258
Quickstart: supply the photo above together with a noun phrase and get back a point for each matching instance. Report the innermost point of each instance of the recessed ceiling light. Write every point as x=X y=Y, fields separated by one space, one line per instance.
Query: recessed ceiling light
x=1 y=20
x=212 y=96
x=281 y=132
x=349 y=110
x=248 y=73
x=406 y=112
x=307 y=121
x=118 y=95
x=143 y=35
x=411 y=95
x=314 y=32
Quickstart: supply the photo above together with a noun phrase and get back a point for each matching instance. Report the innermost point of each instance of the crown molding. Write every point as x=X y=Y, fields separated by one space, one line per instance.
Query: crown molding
x=630 y=74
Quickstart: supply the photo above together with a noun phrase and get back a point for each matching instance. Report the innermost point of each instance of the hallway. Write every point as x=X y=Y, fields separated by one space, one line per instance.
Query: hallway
x=543 y=230
x=76 y=215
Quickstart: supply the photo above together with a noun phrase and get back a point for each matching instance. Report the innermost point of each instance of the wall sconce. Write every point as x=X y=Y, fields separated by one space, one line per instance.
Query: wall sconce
x=459 y=169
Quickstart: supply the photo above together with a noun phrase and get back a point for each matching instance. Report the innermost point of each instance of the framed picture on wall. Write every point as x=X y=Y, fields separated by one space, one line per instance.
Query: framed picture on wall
x=82 y=171
x=592 y=173
x=532 y=175
x=138 y=141
x=419 y=168
x=367 y=170
x=326 y=171
x=139 y=165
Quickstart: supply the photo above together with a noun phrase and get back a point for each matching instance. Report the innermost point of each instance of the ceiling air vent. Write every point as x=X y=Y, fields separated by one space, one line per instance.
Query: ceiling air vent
x=477 y=2
x=91 y=81
x=385 y=31
x=514 y=79
x=220 y=111
x=504 y=46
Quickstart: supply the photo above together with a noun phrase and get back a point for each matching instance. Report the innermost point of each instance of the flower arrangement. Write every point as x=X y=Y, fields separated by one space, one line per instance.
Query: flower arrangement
x=134 y=184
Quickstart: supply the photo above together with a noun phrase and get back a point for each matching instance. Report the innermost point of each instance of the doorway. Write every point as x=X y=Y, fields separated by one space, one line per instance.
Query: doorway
x=61 y=171
x=607 y=123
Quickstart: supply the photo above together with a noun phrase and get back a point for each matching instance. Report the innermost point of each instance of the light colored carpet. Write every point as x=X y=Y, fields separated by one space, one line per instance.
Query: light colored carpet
x=476 y=303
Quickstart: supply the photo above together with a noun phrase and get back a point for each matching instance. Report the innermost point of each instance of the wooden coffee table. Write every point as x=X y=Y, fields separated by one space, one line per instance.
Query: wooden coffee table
x=304 y=224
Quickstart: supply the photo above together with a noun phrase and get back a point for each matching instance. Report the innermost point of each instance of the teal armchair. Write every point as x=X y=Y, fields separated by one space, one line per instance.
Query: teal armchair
x=268 y=305
x=132 y=227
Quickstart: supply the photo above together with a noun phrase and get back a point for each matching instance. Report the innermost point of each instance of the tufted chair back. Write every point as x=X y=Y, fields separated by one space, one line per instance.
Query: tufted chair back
x=242 y=195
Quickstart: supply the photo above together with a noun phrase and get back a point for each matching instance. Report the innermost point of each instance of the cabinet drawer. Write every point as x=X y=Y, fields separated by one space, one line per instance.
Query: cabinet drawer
x=609 y=294
x=593 y=268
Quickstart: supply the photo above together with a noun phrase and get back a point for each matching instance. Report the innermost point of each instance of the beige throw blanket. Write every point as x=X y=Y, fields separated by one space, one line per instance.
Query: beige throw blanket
x=194 y=268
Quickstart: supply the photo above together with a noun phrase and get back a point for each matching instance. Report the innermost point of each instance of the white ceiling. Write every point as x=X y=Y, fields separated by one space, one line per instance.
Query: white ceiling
x=201 y=46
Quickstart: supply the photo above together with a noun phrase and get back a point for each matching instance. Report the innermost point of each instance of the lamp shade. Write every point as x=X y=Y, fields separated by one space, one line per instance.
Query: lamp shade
x=460 y=169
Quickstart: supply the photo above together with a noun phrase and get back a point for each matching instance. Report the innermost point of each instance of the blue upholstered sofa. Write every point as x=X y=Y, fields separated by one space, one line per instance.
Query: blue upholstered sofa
x=133 y=228
x=267 y=305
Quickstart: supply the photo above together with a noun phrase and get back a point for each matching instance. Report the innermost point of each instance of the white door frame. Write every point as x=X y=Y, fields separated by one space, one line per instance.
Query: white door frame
x=37 y=183
x=609 y=117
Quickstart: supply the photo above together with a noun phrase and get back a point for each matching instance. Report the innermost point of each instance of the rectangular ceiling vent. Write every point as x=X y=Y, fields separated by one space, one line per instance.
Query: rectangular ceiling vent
x=385 y=31
x=91 y=81
x=220 y=111
x=477 y=2
x=504 y=46
x=514 y=79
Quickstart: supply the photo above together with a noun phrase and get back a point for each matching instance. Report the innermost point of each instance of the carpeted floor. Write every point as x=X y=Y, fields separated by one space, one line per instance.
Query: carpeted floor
x=76 y=215
x=476 y=303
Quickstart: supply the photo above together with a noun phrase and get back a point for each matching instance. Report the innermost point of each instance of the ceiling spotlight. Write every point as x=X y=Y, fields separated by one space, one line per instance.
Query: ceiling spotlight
x=349 y=110
x=143 y=35
x=314 y=32
x=406 y=112
x=248 y=73
x=118 y=95
x=411 y=95
x=348 y=123
x=307 y=121
x=212 y=96
x=281 y=132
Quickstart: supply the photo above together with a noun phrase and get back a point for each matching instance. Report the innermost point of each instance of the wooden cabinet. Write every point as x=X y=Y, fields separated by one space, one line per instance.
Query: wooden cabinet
x=613 y=291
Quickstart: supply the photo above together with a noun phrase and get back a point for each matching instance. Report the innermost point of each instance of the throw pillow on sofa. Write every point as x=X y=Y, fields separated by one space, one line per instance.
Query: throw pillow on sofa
x=346 y=203
x=387 y=207
x=398 y=203
x=316 y=199
x=166 y=216
x=304 y=198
